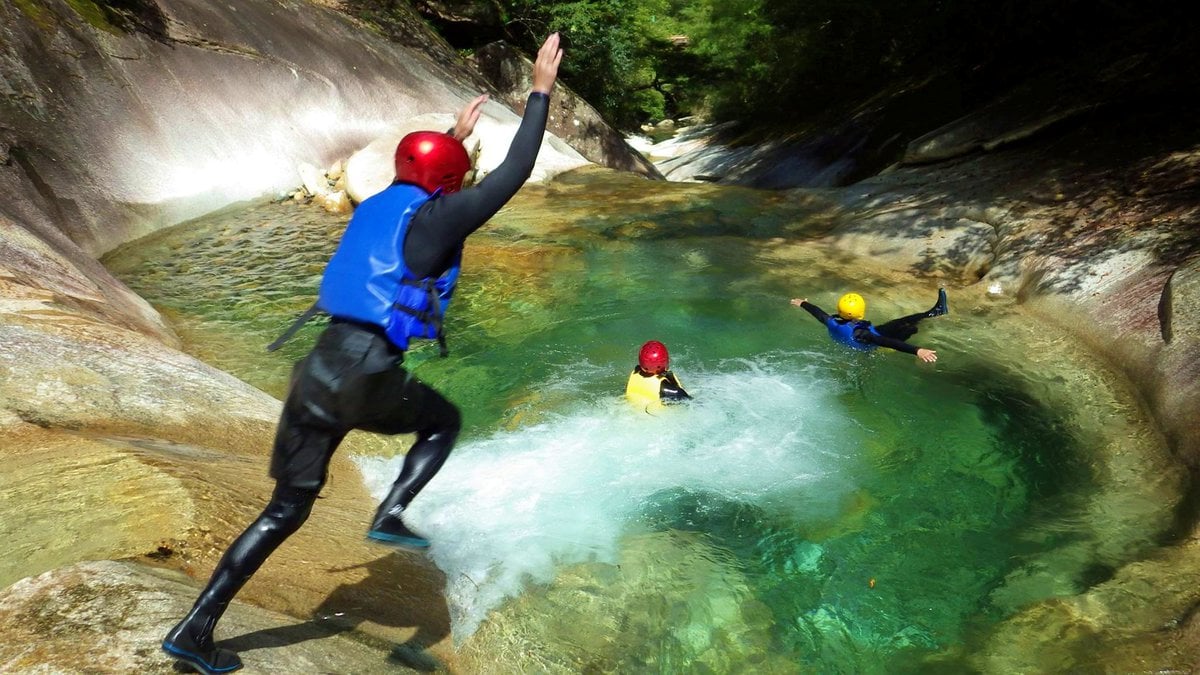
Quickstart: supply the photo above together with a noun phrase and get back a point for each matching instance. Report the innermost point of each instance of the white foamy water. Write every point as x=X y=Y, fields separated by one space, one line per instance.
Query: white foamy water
x=511 y=508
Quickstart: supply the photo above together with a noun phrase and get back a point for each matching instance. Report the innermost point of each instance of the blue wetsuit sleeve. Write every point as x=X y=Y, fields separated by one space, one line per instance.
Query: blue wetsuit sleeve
x=441 y=225
x=818 y=313
x=865 y=335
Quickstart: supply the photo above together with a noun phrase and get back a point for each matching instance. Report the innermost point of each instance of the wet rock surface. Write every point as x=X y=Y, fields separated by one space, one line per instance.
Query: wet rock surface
x=108 y=616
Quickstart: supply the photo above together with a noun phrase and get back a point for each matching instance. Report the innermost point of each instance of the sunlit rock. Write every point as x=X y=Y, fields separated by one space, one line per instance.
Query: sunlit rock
x=372 y=168
x=313 y=179
x=107 y=616
x=335 y=171
x=223 y=111
x=82 y=498
x=46 y=274
x=336 y=202
x=76 y=375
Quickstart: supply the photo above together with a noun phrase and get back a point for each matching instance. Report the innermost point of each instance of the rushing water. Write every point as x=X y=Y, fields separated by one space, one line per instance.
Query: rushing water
x=829 y=510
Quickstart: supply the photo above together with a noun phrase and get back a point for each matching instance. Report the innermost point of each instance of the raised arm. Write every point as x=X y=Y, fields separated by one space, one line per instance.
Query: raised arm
x=440 y=227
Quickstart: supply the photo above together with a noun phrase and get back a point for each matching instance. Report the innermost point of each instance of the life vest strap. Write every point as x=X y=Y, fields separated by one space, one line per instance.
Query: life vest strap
x=304 y=318
x=432 y=316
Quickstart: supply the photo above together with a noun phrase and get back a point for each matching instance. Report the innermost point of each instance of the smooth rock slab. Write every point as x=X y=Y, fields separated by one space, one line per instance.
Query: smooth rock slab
x=109 y=616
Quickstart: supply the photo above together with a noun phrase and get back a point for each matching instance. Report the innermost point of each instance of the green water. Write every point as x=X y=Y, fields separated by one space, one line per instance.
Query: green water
x=866 y=513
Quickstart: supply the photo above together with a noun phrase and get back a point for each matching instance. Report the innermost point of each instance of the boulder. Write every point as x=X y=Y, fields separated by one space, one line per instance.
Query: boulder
x=372 y=168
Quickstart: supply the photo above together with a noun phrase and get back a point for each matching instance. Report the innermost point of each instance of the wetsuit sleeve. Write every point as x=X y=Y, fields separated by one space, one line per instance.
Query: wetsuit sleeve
x=670 y=391
x=865 y=335
x=440 y=226
x=818 y=313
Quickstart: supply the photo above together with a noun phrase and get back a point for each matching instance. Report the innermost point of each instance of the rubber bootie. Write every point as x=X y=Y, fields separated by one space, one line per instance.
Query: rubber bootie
x=391 y=530
x=941 y=307
x=201 y=654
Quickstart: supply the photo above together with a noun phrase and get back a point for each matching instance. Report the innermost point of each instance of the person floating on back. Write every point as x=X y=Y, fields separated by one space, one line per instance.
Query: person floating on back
x=651 y=384
x=849 y=328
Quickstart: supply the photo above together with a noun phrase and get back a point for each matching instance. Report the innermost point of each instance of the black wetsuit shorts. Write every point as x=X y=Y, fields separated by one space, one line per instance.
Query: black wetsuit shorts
x=352 y=379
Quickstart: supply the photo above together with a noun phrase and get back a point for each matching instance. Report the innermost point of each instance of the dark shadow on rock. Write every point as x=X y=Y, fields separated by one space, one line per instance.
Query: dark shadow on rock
x=1119 y=179
x=143 y=16
x=413 y=655
x=402 y=590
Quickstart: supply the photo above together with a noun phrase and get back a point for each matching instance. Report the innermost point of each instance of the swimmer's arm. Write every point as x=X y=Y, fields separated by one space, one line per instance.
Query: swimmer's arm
x=818 y=313
x=926 y=355
x=864 y=335
x=670 y=390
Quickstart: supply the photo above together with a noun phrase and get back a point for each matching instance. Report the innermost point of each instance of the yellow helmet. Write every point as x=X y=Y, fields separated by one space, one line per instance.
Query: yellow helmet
x=852 y=306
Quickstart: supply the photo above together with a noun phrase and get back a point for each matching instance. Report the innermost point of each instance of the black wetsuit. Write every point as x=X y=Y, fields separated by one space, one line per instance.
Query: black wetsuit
x=669 y=389
x=891 y=335
x=352 y=379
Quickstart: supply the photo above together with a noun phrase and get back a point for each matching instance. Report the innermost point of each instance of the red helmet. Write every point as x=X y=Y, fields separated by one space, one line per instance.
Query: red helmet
x=432 y=160
x=654 y=358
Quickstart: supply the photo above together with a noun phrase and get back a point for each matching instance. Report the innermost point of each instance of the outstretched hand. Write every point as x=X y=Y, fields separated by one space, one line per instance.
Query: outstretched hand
x=545 y=67
x=468 y=117
x=926 y=355
x=796 y=302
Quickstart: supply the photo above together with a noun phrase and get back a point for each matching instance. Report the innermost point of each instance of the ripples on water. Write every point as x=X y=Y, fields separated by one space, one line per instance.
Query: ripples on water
x=867 y=505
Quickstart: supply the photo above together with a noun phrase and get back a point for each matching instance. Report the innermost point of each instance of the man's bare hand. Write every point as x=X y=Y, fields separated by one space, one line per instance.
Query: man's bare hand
x=468 y=117
x=545 y=67
x=799 y=301
x=926 y=355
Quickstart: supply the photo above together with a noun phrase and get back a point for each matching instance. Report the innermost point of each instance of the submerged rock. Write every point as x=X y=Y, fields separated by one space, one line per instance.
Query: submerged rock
x=612 y=617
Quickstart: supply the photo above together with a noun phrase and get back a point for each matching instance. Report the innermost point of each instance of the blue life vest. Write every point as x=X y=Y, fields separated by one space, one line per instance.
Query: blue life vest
x=842 y=332
x=366 y=280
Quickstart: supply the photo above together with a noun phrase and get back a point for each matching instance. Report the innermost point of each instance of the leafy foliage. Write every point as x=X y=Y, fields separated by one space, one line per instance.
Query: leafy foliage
x=614 y=47
x=780 y=61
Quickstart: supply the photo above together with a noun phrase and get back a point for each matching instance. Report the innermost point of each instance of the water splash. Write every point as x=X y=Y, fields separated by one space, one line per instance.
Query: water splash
x=512 y=508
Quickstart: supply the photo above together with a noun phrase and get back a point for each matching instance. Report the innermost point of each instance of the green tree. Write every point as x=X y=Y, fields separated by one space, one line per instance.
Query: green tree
x=731 y=43
x=615 y=50
x=777 y=63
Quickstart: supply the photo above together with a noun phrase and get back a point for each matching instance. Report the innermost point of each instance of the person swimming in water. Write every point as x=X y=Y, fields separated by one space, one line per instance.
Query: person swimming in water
x=651 y=384
x=849 y=328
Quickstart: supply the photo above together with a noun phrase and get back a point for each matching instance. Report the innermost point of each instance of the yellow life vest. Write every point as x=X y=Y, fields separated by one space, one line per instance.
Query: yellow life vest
x=642 y=390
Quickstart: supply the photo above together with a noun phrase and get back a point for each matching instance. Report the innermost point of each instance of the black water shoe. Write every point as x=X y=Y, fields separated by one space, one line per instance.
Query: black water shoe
x=201 y=654
x=941 y=307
